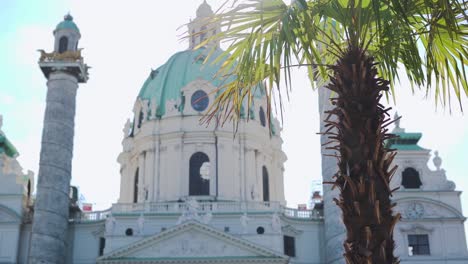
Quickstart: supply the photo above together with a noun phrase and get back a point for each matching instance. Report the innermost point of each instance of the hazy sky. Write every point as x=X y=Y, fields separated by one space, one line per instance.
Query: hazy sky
x=122 y=41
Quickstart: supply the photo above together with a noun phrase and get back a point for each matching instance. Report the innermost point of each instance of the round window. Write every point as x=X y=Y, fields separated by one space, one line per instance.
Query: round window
x=260 y=230
x=129 y=232
x=199 y=100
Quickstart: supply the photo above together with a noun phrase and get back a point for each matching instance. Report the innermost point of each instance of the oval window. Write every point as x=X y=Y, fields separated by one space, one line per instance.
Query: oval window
x=199 y=100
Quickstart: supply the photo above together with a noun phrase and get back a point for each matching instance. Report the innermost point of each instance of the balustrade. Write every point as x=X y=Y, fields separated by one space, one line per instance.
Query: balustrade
x=214 y=207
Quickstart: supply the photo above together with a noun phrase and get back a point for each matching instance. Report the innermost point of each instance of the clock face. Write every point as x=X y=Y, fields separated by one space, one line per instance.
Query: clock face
x=199 y=100
x=415 y=211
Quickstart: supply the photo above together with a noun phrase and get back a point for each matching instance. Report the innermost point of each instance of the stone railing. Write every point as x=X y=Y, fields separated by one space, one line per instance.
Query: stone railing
x=90 y=216
x=177 y=208
x=215 y=207
x=202 y=207
x=303 y=214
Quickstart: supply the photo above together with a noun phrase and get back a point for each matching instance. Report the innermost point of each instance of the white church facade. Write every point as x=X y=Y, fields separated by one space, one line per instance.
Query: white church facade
x=192 y=193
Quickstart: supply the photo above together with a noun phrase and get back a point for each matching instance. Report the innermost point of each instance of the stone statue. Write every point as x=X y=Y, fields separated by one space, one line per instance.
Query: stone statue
x=171 y=108
x=141 y=224
x=437 y=160
x=244 y=219
x=45 y=55
x=192 y=207
x=207 y=218
x=276 y=223
x=191 y=211
x=397 y=121
x=110 y=225
x=144 y=109
x=126 y=129
x=181 y=219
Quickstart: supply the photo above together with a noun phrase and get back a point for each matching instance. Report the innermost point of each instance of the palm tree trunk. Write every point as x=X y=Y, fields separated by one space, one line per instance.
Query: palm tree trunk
x=363 y=161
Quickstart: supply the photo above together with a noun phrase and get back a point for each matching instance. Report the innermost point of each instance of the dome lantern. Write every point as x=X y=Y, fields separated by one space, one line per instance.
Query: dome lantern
x=67 y=35
x=200 y=29
x=204 y=10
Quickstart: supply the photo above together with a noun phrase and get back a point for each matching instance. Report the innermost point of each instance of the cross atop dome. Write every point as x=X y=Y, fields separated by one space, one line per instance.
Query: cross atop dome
x=68 y=17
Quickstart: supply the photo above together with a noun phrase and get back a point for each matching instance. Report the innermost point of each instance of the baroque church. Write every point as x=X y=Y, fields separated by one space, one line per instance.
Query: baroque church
x=192 y=193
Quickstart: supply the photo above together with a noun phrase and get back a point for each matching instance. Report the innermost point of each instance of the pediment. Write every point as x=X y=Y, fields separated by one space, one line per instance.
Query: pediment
x=291 y=230
x=421 y=208
x=8 y=216
x=190 y=242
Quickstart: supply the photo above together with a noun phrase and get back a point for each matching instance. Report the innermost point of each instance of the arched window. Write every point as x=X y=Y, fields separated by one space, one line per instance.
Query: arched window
x=266 y=185
x=198 y=183
x=29 y=188
x=410 y=179
x=203 y=34
x=63 y=44
x=140 y=119
x=135 y=185
x=193 y=37
x=261 y=114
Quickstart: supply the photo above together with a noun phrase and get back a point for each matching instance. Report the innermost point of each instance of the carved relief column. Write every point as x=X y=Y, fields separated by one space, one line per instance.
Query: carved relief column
x=334 y=228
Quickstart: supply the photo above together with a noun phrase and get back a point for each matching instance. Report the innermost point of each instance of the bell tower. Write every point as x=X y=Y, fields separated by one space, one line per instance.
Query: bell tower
x=64 y=69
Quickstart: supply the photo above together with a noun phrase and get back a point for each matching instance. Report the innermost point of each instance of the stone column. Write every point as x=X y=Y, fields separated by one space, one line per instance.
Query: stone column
x=50 y=226
x=334 y=228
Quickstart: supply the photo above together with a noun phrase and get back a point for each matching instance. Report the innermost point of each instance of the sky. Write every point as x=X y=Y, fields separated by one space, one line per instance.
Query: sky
x=123 y=41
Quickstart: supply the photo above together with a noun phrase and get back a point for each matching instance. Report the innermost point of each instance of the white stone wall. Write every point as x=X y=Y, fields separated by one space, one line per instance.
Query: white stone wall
x=13 y=201
x=161 y=149
x=434 y=210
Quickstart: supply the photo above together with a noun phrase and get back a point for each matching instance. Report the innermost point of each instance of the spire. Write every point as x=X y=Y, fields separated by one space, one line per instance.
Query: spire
x=204 y=10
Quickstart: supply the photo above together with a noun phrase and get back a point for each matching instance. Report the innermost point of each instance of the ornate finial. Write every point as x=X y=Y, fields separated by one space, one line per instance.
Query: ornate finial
x=153 y=73
x=397 y=128
x=397 y=122
x=68 y=17
x=204 y=10
x=437 y=160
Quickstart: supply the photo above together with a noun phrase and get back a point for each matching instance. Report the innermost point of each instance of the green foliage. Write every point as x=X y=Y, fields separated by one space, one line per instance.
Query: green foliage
x=426 y=38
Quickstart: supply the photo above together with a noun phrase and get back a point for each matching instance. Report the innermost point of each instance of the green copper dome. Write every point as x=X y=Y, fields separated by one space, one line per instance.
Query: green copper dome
x=165 y=83
x=67 y=23
x=6 y=146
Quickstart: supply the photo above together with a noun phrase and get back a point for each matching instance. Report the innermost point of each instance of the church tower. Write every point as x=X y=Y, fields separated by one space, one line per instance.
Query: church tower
x=64 y=69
